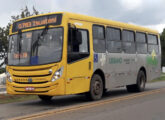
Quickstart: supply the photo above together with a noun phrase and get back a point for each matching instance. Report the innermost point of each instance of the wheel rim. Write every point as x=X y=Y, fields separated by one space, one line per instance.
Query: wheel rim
x=97 y=87
x=142 y=82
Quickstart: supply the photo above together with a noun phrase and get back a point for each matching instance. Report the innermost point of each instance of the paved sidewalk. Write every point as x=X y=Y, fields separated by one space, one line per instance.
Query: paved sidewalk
x=2 y=89
x=2 y=86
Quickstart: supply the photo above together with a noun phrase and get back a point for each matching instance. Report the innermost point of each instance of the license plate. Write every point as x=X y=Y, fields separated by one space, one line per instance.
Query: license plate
x=29 y=88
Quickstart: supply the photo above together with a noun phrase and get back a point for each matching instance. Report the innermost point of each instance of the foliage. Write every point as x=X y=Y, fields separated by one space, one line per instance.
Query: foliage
x=3 y=43
x=2 y=70
x=162 y=38
x=6 y=98
x=4 y=32
x=24 y=13
x=161 y=78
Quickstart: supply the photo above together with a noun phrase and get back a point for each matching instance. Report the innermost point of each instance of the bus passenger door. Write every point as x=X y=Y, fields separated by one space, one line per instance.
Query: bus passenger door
x=78 y=61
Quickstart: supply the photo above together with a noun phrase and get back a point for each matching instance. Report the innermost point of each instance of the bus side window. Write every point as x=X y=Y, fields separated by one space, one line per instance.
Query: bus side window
x=128 y=38
x=99 y=39
x=78 y=46
x=152 y=43
x=114 y=43
x=141 y=43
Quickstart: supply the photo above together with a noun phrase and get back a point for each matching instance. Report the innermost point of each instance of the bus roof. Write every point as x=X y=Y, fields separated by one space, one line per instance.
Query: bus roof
x=100 y=21
x=110 y=22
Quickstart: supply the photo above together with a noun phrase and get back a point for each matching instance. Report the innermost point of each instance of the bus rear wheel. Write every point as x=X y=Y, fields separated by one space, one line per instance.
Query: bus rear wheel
x=96 y=88
x=140 y=85
x=45 y=98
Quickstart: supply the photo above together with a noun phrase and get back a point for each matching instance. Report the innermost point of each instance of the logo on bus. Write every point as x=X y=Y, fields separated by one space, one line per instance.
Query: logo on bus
x=152 y=59
x=30 y=80
x=96 y=58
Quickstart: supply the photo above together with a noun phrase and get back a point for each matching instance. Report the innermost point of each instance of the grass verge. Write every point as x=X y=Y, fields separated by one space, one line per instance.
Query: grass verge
x=5 y=98
x=162 y=78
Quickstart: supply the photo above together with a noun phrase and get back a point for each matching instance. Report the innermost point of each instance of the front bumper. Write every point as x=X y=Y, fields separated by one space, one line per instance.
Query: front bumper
x=49 y=88
x=38 y=78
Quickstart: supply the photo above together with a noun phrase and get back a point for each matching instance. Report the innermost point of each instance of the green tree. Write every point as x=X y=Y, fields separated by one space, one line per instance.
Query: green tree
x=162 y=38
x=4 y=32
x=24 y=13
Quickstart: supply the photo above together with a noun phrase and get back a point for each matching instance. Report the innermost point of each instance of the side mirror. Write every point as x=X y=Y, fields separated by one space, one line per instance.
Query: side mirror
x=75 y=35
x=78 y=38
x=6 y=60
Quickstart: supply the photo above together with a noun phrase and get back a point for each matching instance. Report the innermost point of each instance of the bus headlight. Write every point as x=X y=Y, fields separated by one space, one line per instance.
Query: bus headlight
x=57 y=74
x=8 y=76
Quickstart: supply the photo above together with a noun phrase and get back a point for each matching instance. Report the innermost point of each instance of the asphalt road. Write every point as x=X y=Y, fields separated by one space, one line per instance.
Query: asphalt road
x=120 y=105
x=150 y=107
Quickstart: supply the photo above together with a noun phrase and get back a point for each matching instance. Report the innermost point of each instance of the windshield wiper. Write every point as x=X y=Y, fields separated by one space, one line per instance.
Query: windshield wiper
x=44 y=32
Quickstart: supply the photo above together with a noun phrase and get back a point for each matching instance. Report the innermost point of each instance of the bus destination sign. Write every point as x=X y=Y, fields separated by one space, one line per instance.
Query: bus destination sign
x=37 y=22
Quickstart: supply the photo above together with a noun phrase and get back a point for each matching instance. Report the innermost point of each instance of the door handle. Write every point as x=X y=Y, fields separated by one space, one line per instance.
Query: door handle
x=89 y=65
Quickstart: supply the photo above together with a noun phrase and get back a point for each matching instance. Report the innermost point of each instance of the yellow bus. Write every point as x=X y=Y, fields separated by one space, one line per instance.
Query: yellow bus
x=64 y=53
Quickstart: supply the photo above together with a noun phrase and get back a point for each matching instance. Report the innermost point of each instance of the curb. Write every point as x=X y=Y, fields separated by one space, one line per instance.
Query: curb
x=2 y=93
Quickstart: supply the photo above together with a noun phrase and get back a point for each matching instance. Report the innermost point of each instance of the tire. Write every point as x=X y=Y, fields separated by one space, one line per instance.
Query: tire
x=96 y=88
x=140 y=85
x=45 y=98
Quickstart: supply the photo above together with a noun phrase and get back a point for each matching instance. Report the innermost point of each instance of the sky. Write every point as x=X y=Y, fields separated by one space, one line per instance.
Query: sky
x=148 y=13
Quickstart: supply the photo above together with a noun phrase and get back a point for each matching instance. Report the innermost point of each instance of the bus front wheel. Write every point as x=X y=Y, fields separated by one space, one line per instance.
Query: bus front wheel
x=140 y=85
x=45 y=98
x=96 y=88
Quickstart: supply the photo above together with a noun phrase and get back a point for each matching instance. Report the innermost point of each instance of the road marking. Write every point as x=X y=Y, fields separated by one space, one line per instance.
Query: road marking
x=88 y=105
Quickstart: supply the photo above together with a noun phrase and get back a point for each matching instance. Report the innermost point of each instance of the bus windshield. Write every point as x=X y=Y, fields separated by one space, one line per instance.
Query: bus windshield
x=36 y=47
